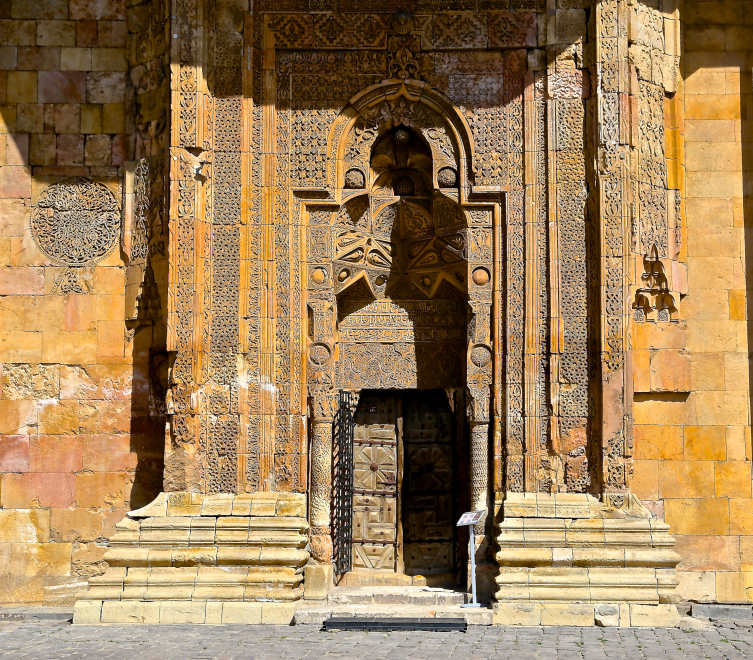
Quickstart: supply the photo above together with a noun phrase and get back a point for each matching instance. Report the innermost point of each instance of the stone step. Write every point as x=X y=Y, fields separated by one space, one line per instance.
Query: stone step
x=402 y=596
x=481 y=616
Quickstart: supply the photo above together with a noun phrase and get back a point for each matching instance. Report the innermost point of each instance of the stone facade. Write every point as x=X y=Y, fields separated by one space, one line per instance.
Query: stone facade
x=216 y=218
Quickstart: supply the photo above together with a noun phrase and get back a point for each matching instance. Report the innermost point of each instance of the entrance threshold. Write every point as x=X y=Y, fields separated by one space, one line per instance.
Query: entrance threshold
x=391 y=602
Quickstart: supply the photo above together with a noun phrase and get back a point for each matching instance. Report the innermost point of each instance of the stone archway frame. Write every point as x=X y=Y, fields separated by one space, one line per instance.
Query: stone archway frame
x=368 y=115
x=396 y=102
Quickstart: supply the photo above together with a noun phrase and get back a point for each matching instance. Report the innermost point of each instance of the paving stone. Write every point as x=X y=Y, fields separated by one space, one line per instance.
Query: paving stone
x=51 y=639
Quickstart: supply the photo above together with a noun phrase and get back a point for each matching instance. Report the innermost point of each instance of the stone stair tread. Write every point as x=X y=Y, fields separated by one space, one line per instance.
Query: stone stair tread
x=318 y=613
x=401 y=596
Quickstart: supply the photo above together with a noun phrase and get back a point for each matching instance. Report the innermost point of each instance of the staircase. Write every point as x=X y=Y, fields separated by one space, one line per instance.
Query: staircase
x=391 y=602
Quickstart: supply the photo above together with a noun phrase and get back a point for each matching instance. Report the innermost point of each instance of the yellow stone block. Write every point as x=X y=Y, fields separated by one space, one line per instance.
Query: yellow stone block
x=722 y=407
x=69 y=347
x=517 y=614
x=736 y=376
x=730 y=588
x=670 y=371
x=686 y=479
x=125 y=611
x=654 y=616
x=713 y=156
x=712 y=106
x=181 y=611
x=58 y=417
x=17 y=416
x=741 y=517
x=737 y=302
x=243 y=613
x=714 y=184
x=87 y=611
x=91 y=118
x=40 y=559
x=697 y=516
x=641 y=371
x=710 y=211
x=22 y=87
x=21 y=347
x=658 y=442
x=746 y=553
x=645 y=482
x=733 y=479
x=705 y=443
x=24 y=525
x=277 y=614
x=566 y=614
x=738 y=443
x=708 y=553
x=651 y=335
x=697 y=585
x=678 y=412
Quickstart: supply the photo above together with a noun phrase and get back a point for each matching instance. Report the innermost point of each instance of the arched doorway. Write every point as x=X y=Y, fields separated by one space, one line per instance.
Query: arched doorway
x=400 y=293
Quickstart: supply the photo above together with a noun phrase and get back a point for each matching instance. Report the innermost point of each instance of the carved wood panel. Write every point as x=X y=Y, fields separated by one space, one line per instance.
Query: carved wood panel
x=375 y=482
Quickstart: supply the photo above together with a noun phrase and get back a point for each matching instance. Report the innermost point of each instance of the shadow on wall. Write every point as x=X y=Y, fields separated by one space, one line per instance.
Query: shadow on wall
x=84 y=384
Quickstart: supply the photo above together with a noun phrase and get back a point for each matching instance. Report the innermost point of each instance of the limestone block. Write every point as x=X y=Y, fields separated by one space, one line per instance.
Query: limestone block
x=524 y=557
x=130 y=612
x=606 y=616
x=213 y=613
x=586 y=557
x=654 y=616
x=244 y=613
x=182 y=612
x=194 y=557
x=291 y=507
x=520 y=505
x=232 y=530
x=87 y=611
x=264 y=504
x=566 y=614
x=517 y=614
x=317 y=581
x=277 y=614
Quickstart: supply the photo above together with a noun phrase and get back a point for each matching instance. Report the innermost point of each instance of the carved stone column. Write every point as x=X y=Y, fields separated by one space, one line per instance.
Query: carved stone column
x=323 y=405
x=320 y=491
x=613 y=156
x=478 y=407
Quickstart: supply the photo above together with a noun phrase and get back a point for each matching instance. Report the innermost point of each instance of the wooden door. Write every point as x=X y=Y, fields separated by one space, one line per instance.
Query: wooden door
x=375 y=481
x=428 y=495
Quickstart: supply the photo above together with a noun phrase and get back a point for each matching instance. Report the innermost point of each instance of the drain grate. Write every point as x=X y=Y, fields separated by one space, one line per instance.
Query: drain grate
x=374 y=624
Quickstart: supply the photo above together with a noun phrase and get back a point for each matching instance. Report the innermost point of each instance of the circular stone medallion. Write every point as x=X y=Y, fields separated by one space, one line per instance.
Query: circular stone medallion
x=481 y=355
x=76 y=222
x=319 y=354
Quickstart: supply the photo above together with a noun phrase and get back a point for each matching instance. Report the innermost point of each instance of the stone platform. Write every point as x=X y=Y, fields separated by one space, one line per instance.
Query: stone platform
x=190 y=558
x=570 y=559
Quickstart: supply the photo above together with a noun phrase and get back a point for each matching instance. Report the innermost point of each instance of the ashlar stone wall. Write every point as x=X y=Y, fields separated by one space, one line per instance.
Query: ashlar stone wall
x=692 y=438
x=80 y=437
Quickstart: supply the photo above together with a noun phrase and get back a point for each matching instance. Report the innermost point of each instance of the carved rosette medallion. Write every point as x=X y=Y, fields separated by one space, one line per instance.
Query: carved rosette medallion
x=76 y=222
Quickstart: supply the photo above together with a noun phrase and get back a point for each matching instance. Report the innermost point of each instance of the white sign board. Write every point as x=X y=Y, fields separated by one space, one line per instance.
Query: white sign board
x=470 y=518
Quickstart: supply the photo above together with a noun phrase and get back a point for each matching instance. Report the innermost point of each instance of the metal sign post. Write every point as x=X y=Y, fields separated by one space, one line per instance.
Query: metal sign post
x=470 y=519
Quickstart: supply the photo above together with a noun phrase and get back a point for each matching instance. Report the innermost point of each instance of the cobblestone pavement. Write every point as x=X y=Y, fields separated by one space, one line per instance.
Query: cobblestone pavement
x=40 y=641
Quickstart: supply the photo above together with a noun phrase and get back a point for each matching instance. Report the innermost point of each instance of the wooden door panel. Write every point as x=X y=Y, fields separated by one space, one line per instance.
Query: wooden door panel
x=429 y=467
x=366 y=555
x=374 y=518
x=375 y=467
x=428 y=558
x=429 y=446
